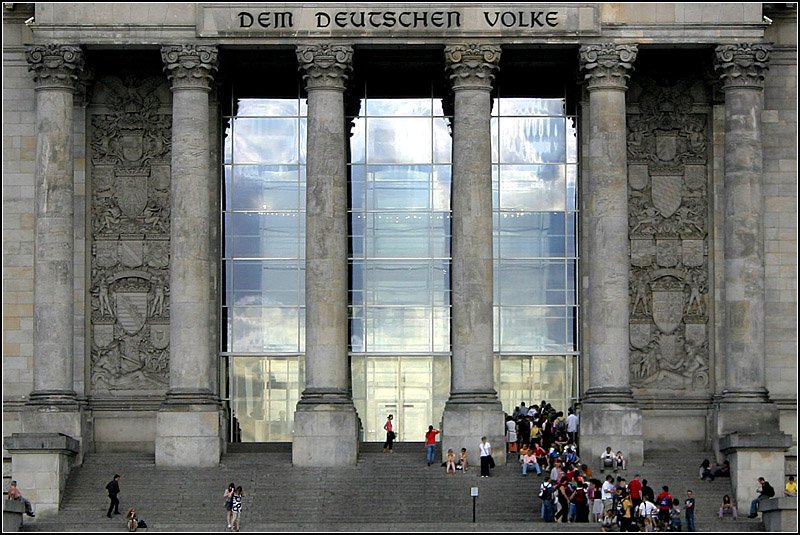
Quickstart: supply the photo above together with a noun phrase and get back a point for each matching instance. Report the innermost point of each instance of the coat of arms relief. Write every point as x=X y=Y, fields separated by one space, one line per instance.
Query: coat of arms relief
x=130 y=142
x=668 y=221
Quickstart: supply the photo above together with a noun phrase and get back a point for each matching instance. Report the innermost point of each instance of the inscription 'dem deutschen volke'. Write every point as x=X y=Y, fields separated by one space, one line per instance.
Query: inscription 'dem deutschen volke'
x=366 y=19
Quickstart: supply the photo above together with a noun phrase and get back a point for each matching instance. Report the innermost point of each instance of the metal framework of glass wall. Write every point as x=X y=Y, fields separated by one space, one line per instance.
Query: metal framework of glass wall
x=400 y=238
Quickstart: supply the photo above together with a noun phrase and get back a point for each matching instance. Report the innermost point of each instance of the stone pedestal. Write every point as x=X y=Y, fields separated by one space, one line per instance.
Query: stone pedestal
x=13 y=512
x=189 y=435
x=611 y=424
x=464 y=425
x=41 y=463
x=779 y=514
x=325 y=435
x=754 y=455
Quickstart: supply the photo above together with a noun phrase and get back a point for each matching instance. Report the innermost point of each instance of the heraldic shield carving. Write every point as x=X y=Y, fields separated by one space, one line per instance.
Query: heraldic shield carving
x=668 y=216
x=130 y=140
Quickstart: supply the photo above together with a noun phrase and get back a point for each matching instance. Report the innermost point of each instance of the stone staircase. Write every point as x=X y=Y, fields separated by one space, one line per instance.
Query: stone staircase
x=383 y=491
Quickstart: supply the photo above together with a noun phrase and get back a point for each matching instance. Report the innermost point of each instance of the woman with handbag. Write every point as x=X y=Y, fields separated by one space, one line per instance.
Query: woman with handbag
x=390 y=434
x=487 y=461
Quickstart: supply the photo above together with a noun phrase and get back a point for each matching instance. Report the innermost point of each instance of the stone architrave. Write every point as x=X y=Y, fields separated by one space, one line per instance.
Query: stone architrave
x=744 y=405
x=473 y=409
x=189 y=421
x=609 y=416
x=325 y=413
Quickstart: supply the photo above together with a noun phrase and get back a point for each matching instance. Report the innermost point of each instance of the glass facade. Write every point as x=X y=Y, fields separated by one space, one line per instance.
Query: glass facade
x=399 y=178
x=263 y=309
x=400 y=171
x=534 y=177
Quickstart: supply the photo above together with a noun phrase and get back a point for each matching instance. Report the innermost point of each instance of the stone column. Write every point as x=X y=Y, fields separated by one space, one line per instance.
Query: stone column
x=56 y=69
x=325 y=422
x=188 y=431
x=748 y=427
x=473 y=409
x=609 y=416
x=53 y=412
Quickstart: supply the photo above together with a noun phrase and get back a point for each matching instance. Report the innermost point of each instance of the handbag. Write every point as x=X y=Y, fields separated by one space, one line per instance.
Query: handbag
x=491 y=462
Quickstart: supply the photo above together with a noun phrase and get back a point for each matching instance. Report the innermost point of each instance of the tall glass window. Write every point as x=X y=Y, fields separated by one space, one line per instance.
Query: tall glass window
x=534 y=176
x=400 y=263
x=263 y=307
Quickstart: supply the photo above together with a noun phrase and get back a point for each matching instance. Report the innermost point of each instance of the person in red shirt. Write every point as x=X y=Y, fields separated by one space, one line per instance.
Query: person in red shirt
x=664 y=503
x=430 y=443
x=635 y=488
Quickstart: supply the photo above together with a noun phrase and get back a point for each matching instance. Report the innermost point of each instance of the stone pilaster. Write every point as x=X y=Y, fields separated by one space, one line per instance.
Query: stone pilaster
x=609 y=416
x=473 y=409
x=325 y=413
x=188 y=431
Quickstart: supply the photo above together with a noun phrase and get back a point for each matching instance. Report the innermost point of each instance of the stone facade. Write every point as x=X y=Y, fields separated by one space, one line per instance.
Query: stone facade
x=110 y=248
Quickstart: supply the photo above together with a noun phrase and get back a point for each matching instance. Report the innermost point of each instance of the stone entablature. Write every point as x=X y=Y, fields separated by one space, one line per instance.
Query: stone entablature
x=273 y=23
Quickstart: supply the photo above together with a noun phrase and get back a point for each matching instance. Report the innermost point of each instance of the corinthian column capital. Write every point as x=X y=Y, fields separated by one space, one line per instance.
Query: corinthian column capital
x=607 y=66
x=55 y=66
x=190 y=66
x=472 y=65
x=742 y=65
x=325 y=66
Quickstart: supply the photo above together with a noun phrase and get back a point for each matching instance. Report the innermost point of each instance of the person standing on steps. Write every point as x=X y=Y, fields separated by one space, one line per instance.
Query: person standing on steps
x=688 y=510
x=486 y=457
x=390 y=434
x=113 y=492
x=229 y=504
x=238 y=494
x=430 y=444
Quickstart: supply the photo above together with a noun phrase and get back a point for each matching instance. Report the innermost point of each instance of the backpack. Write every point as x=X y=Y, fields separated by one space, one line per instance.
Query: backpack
x=580 y=496
x=665 y=501
x=546 y=492
x=561 y=425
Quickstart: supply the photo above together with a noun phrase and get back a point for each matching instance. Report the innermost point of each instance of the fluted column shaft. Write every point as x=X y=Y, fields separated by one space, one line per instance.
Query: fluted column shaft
x=742 y=69
x=325 y=71
x=192 y=364
x=55 y=69
x=471 y=70
x=606 y=70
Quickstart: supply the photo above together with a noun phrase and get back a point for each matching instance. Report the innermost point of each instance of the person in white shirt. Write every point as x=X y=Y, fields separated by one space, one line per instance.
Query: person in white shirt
x=645 y=512
x=607 y=458
x=607 y=492
x=486 y=457
x=572 y=426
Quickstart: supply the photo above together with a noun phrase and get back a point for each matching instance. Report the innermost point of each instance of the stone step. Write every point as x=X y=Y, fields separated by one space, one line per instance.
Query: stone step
x=282 y=497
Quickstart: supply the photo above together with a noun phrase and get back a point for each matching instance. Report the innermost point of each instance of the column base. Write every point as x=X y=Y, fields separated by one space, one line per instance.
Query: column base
x=746 y=412
x=325 y=434
x=753 y=455
x=41 y=462
x=189 y=435
x=618 y=425
x=464 y=423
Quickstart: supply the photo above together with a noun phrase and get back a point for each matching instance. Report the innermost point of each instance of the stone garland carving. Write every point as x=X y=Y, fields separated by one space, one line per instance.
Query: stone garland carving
x=667 y=146
x=130 y=150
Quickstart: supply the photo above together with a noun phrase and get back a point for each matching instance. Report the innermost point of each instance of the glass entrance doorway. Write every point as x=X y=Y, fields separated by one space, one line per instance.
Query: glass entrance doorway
x=413 y=389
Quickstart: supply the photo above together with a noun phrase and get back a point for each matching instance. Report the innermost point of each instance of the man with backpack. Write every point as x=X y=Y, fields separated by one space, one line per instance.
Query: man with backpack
x=546 y=495
x=664 y=503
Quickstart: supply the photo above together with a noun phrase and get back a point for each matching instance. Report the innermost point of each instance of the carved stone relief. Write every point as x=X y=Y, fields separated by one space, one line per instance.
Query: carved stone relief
x=667 y=143
x=130 y=142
